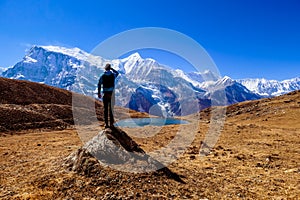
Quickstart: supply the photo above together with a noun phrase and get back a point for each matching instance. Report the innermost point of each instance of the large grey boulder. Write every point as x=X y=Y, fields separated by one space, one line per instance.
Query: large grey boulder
x=115 y=149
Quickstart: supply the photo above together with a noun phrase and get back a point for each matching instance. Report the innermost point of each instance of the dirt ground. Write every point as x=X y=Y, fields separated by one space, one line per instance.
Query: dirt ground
x=257 y=156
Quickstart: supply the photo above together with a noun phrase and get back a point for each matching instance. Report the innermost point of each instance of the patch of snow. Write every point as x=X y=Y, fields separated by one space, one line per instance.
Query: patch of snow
x=28 y=59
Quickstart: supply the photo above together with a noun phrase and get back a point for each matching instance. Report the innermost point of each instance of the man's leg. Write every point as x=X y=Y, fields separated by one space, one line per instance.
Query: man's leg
x=105 y=102
x=111 y=115
x=111 y=107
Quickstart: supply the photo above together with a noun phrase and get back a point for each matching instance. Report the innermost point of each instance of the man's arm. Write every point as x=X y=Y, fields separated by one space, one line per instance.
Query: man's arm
x=115 y=72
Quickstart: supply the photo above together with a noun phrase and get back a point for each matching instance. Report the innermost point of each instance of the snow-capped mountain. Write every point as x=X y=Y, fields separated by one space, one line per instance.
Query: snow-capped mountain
x=51 y=65
x=143 y=84
x=268 y=88
x=200 y=77
x=234 y=91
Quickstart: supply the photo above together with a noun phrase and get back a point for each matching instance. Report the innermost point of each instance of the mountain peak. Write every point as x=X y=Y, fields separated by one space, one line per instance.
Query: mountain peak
x=226 y=80
x=131 y=62
x=39 y=50
x=64 y=50
x=135 y=56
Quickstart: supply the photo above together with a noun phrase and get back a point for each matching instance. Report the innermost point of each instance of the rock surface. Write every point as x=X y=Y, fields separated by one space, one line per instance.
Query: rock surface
x=113 y=148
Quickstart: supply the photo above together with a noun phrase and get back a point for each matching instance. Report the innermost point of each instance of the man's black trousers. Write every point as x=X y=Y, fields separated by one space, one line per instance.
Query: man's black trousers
x=108 y=101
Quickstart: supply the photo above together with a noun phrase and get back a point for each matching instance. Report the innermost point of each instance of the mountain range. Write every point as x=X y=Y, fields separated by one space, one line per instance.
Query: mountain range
x=143 y=84
x=270 y=88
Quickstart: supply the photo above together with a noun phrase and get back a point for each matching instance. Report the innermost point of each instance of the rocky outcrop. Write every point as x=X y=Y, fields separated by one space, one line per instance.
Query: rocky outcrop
x=113 y=148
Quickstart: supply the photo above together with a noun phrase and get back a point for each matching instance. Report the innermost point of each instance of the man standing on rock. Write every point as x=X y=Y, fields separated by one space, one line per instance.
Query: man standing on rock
x=108 y=81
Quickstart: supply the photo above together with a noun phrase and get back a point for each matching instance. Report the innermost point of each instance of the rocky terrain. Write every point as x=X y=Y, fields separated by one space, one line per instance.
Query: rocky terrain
x=256 y=157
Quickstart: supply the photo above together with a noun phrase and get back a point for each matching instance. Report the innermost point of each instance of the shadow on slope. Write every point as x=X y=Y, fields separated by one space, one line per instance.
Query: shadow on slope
x=115 y=149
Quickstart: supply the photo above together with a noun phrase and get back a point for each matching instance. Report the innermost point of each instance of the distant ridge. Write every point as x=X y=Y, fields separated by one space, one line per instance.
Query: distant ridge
x=269 y=88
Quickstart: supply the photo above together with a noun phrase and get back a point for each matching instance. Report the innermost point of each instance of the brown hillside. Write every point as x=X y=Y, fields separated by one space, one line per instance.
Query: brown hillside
x=28 y=105
x=24 y=93
x=282 y=111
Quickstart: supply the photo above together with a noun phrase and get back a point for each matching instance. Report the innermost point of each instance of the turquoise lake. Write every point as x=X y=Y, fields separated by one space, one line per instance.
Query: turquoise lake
x=140 y=122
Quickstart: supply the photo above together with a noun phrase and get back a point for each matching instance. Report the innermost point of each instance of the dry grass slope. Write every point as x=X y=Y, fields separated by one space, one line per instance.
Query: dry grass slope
x=27 y=105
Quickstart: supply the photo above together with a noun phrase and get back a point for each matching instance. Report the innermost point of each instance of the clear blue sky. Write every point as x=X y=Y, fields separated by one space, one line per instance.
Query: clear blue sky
x=245 y=38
